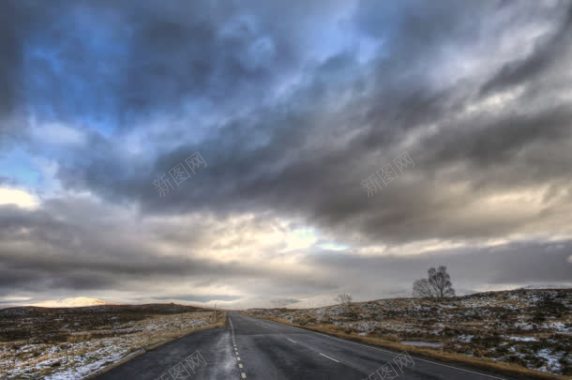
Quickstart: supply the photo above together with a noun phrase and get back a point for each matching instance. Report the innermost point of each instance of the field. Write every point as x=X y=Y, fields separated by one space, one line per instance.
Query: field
x=71 y=343
x=531 y=329
x=528 y=329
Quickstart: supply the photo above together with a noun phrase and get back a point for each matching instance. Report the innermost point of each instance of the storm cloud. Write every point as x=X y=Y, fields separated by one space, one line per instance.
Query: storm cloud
x=292 y=105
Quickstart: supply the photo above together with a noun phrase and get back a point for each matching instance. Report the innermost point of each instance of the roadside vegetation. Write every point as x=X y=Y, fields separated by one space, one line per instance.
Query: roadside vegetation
x=73 y=343
x=527 y=331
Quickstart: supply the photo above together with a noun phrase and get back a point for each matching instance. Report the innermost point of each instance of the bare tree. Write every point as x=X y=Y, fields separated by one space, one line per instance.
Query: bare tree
x=344 y=299
x=437 y=285
x=422 y=288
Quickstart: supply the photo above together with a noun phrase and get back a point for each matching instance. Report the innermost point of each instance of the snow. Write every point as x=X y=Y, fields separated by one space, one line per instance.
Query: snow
x=552 y=360
x=508 y=326
x=82 y=370
x=90 y=351
x=524 y=326
x=465 y=338
x=523 y=338
x=558 y=326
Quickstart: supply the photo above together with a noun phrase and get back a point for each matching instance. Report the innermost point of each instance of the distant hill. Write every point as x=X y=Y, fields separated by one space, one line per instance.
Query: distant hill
x=31 y=311
x=528 y=328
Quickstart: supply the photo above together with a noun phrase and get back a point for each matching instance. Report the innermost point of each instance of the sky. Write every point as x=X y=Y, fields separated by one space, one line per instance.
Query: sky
x=277 y=153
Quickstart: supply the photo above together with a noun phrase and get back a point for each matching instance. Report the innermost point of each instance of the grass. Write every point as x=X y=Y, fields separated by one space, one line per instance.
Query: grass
x=449 y=357
x=158 y=341
x=40 y=342
x=161 y=339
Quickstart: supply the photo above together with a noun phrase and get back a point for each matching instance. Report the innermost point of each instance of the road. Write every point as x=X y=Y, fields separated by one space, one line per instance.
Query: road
x=256 y=349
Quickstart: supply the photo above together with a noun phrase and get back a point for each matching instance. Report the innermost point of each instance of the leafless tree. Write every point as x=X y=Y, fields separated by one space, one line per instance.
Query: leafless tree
x=344 y=299
x=437 y=285
x=422 y=289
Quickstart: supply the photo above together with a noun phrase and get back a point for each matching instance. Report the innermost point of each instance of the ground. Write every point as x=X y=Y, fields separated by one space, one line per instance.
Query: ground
x=531 y=328
x=72 y=343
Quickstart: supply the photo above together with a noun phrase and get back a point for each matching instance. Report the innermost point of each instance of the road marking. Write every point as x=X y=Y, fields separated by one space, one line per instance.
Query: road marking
x=460 y=369
x=418 y=358
x=415 y=357
x=242 y=374
x=291 y=340
x=329 y=357
x=382 y=350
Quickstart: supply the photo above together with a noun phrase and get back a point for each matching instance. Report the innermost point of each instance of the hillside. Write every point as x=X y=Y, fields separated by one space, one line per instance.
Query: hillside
x=71 y=343
x=531 y=328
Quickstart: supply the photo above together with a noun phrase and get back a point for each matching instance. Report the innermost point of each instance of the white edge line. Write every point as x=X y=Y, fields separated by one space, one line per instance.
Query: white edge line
x=416 y=358
x=460 y=369
x=329 y=357
x=388 y=351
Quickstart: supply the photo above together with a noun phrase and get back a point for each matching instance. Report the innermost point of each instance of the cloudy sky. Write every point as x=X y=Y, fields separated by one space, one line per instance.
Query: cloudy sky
x=286 y=112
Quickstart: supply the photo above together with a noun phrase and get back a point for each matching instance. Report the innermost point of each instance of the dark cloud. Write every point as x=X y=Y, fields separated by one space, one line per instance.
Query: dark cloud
x=57 y=249
x=308 y=152
x=10 y=57
x=547 y=56
x=198 y=298
x=292 y=105
x=473 y=269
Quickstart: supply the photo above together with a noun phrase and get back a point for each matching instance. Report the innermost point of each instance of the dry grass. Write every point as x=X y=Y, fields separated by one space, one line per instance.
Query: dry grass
x=163 y=338
x=159 y=341
x=528 y=328
x=449 y=357
x=38 y=343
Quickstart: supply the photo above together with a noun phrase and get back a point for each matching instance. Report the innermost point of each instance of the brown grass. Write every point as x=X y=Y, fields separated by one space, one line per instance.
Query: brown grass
x=449 y=357
x=159 y=341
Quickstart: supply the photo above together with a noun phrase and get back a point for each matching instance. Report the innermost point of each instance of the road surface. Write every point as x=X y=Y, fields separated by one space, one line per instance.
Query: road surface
x=261 y=350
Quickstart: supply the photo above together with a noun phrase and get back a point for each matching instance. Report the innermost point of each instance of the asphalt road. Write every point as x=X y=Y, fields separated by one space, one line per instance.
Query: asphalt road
x=255 y=349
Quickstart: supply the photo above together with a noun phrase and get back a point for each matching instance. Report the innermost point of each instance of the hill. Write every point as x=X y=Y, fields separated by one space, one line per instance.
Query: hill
x=531 y=328
x=73 y=342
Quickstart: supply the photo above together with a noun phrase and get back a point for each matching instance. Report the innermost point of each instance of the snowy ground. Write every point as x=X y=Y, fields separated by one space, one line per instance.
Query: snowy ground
x=531 y=328
x=77 y=354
